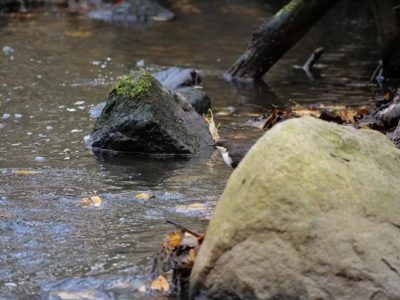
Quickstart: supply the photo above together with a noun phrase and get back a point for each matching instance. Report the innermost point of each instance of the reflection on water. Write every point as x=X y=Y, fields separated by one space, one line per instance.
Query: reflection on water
x=49 y=80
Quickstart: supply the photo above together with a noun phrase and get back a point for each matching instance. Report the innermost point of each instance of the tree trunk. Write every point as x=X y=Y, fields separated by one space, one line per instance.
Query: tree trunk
x=388 y=39
x=274 y=38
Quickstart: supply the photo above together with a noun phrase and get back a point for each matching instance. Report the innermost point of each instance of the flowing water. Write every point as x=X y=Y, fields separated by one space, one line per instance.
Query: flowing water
x=54 y=67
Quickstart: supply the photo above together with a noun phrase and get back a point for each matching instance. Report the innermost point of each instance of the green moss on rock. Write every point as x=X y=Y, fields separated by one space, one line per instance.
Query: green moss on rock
x=132 y=86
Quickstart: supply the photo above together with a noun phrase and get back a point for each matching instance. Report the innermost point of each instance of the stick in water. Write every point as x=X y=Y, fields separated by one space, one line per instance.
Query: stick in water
x=313 y=59
x=183 y=228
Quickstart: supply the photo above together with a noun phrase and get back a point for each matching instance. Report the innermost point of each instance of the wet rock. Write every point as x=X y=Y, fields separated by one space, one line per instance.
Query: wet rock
x=174 y=78
x=142 y=116
x=312 y=212
x=95 y=111
x=132 y=11
x=197 y=98
x=182 y=83
x=21 y=6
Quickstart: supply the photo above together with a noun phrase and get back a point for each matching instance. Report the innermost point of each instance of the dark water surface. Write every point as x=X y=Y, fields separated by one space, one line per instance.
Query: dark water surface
x=53 y=247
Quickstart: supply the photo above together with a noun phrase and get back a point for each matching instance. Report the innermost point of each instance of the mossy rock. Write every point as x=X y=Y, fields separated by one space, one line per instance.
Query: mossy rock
x=144 y=117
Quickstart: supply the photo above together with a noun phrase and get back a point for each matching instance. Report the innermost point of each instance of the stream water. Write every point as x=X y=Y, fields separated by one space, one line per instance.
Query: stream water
x=54 y=67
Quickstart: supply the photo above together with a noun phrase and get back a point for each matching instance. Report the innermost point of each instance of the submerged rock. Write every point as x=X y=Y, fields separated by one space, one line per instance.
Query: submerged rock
x=183 y=83
x=142 y=116
x=197 y=98
x=175 y=78
x=312 y=212
x=132 y=11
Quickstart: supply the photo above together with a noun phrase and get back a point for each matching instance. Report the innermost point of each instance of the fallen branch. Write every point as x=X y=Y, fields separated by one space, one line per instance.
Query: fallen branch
x=308 y=66
x=183 y=228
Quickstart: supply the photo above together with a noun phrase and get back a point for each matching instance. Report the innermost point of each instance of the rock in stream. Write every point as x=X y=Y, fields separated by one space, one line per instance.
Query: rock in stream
x=312 y=212
x=142 y=116
x=132 y=12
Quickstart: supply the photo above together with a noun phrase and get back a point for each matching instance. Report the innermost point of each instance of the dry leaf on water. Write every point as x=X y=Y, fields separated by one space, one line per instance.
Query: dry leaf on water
x=160 y=284
x=92 y=201
x=24 y=172
x=306 y=112
x=78 y=33
x=143 y=196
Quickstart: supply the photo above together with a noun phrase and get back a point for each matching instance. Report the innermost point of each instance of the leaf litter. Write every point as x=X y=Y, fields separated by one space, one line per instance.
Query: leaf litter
x=171 y=267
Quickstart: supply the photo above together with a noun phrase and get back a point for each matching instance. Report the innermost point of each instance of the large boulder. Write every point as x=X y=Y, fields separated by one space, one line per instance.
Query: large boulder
x=131 y=12
x=312 y=212
x=142 y=116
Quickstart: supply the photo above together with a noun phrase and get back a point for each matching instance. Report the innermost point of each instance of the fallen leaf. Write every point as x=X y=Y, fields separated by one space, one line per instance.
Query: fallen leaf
x=92 y=201
x=160 y=284
x=24 y=172
x=189 y=240
x=172 y=240
x=211 y=127
x=143 y=196
x=363 y=110
x=347 y=116
x=78 y=33
x=306 y=112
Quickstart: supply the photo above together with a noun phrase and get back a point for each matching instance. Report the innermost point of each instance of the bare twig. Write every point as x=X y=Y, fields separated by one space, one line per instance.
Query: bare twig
x=307 y=67
x=183 y=228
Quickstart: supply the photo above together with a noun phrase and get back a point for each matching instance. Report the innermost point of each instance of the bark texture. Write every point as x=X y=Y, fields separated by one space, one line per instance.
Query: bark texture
x=274 y=38
x=388 y=38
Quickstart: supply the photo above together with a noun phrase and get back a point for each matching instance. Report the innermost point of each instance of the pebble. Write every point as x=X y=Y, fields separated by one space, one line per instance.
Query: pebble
x=17 y=116
x=140 y=63
x=1 y=126
x=49 y=128
x=5 y=116
x=7 y=50
x=39 y=159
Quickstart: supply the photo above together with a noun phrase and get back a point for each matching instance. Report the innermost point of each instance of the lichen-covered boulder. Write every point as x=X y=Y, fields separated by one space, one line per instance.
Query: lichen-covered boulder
x=131 y=12
x=142 y=116
x=312 y=212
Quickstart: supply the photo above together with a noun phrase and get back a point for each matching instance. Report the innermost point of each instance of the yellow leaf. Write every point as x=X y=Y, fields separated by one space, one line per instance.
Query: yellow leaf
x=347 y=116
x=160 y=284
x=78 y=33
x=196 y=206
x=143 y=196
x=92 y=201
x=172 y=240
x=24 y=172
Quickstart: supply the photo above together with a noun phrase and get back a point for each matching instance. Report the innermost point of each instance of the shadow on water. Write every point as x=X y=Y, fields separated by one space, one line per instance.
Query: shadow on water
x=139 y=167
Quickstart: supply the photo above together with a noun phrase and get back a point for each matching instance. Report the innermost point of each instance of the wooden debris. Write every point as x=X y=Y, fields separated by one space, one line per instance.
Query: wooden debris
x=177 y=255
